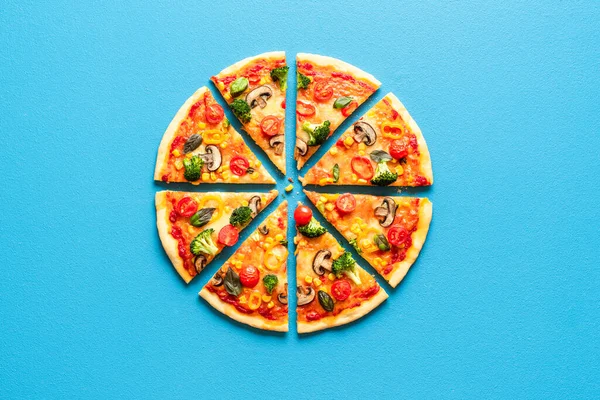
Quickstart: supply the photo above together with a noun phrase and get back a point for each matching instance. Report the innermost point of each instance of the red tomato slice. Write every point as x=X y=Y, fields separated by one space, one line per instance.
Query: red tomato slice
x=398 y=149
x=214 y=113
x=238 y=165
x=346 y=203
x=362 y=167
x=397 y=235
x=349 y=109
x=323 y=91
x=249 y=276
x=186 y=207
x=253 y=78
x=228 y=235
x=302 y=215
x=305 y=109
x=341 y=289
x=270 y=125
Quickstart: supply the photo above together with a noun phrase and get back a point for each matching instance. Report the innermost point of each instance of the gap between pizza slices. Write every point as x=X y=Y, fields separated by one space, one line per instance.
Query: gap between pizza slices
x=255 y=90
x=251 y=286
x=332 y=288
x=201 y=146
x=195 y=227
x=329 y=90
x=387 y=231
x=385 y=147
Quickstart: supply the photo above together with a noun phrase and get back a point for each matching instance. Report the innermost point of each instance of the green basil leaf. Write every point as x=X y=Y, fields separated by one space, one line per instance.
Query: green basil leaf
x=380 y=156
x=342 y=102
x=381 y=242
x=202 y=217
x=233 y=286
x=238 y=86
x=336 y=173
x=326 y=301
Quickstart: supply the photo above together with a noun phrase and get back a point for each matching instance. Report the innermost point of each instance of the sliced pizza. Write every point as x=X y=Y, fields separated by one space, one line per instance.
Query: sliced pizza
x=195 y=227
x=384 y=147
x=329 y=90
x=201 y=146
x=388 y=232
x=332 y=288
x=255 y=89
x=251 y=287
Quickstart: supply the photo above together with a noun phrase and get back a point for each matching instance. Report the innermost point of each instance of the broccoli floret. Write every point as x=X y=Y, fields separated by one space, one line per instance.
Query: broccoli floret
x=303 y=81
x=280 y=75
x=312 y=229
x=203 y=243
x=345 y=265
x=383 y=175
x=318 y=132
x=354 y=244
x=193 y=168
x=270 y=281
x=241 y=109
x=240 y=216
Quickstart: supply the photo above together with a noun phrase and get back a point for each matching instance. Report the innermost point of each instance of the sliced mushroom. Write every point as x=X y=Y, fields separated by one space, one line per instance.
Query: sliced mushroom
x=212 y=157
x=301 y=146
x=305 y=295
x=386 y=212
x=322 y=262
x=217 y=280
x=283 y=297
x=255 y=205
x=263 y=229
x=277 y=143
x=259 y=96
x=199 y=263
x=364 y=132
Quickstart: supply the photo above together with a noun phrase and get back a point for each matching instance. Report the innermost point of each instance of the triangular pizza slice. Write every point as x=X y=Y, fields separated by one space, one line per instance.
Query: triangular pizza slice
x=329 y=90
x=195 y=227
x=201 y=146
x=251 y=287
x=255 y=89
x=384 y=147
x=388 y=232
x=332 y=289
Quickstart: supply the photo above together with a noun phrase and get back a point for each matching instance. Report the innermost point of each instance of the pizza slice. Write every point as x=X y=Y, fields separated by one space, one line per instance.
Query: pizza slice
x=388 y=232
x=251 y=287
x=329 y=90
x=201 y=146
x=384 y=147
x=332 y=288
x=255 y=89
x=195 y=227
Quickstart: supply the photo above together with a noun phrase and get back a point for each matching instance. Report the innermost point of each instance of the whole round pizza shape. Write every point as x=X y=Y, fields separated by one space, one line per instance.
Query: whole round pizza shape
x=383 y=147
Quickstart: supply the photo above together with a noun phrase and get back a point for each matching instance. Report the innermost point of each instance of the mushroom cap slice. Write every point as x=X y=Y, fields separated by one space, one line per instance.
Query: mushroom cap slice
x=217 y=280
x=255 y=204
x=301 y=146
x=212 y=157
x=282 y=298
x=199 y=263
x=364 y=132
x=387 y=212
x=259 y=96
x=305 y=296
x=264 y=229
x=277 y=142
x=322 y=262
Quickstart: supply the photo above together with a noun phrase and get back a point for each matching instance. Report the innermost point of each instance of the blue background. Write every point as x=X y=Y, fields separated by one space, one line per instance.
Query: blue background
x=502 y=303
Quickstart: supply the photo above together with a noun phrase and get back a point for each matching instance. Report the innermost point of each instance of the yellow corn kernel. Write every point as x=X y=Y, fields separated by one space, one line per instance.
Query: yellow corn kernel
x=329 y=180
x=242 y=299
x=205 y=176
x=308 y=279
x=225 y=167
x=363 y=226
x=263 y=81
x=323 y=199
x=245 y=203
x=333 y=151
x=323 y=181
x=266 y=246
x=257 y=164
x=254 y=175
x=227 y=209
x=226 y=175
x=178 y=164
x=269 y=240
x=213 y=176
x=399 y=169
x=201 y=125
x=317 y=282
x=227 y=96
x=331 y=277
x=191 y=229
x=361 y=153
x=223 y=145
x=221 y=85
x=349 y=141
x=362 y=181
x=354 y=177
x=303 y=242
x=355 y=228
x=362 y=146
x=365 y=243
x=235 y=177
x=329 y=206
x=266 y=298
x=289 y=188
x=279 y=237
x=377 y=260
x=176 y=153
x=251 y=163
x=270 y=305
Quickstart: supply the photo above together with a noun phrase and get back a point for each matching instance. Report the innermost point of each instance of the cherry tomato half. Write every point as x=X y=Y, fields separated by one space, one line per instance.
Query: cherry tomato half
x=305 y=109
x=238 y=165
x=323 y=91
x=398 y=149
x=270 y=125
x=362 y=167
x=346 y=203
x=249 y=276
x=341 y=289
x=214 y=113
x=302 y=215
x=397 y=235
x=228 y=235
x=186 y=207
x=349 y=109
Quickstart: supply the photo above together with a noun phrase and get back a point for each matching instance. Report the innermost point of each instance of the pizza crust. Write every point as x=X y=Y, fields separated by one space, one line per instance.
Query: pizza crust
x=234 y=68
x=169 y=242
x=424 y=159
x=345 y=316
x=231 y=312
x=338 y=65
x=418 y=238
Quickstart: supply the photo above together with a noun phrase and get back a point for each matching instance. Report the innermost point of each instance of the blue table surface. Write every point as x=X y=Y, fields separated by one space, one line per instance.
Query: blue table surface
x=504 y=301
